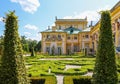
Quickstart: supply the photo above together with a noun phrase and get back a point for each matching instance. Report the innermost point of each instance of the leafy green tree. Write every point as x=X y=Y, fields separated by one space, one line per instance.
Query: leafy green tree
x=105 y=71
x=32 y=44
x=25 y=45
x=12 y=69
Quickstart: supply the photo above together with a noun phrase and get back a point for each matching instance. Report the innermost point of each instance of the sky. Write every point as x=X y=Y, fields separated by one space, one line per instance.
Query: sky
x=36 y=15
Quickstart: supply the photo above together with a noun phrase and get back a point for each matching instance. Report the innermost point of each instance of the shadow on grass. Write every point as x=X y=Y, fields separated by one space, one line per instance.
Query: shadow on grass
x=37 y=81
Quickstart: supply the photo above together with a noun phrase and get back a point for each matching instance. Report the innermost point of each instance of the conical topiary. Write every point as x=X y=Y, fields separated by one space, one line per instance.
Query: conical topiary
x=32 y=52
x=12 y=69
x=105 y=71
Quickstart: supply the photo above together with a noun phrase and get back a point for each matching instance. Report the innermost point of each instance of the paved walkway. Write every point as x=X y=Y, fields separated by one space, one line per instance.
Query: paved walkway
x=59 y=79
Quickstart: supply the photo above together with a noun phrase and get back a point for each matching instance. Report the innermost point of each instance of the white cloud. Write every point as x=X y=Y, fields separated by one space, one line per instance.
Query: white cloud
x=30 y=6
x=31 y=27
x=53 y=24
x=1 y=19
x=91 y=15
x=27 y=33
x=107 y=7
x=36 y=37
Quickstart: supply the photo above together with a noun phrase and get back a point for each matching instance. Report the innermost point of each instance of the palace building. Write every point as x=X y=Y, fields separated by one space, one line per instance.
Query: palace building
x=73 y=35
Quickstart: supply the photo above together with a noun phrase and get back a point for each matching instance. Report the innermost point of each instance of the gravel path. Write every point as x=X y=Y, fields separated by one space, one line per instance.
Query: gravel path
x=88 y=74
x=71 y=66
x=26 y=55
x=57 y=59
x=59 y=79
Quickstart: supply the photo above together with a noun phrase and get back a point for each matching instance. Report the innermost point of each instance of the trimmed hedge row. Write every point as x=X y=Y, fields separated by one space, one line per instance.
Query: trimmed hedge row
x=82 y=81
x=37 y=81
x=77 y=80
x=82 y=72
x=43 y=80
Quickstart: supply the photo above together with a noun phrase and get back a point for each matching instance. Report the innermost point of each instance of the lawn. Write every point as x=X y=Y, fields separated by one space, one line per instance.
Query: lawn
x=38 y=67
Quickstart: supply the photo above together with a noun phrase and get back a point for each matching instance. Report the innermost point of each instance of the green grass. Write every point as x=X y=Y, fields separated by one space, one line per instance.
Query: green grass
x=38 y=67
x=69 y=79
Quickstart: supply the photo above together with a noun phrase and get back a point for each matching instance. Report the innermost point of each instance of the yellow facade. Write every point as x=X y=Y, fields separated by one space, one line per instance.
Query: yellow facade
x=115 y=21
x=73 y=35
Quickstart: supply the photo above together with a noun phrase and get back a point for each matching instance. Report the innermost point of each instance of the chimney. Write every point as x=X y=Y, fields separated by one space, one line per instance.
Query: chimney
x=55 y=17
x=48 y=27
x=91 y=24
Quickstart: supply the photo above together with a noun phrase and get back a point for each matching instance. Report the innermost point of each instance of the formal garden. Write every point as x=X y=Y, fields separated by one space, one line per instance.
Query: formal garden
x=59 y=65
x=72 y=67
x=17 y=67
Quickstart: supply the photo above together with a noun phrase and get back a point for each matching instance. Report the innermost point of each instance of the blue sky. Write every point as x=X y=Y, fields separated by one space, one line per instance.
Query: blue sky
x=37 y=15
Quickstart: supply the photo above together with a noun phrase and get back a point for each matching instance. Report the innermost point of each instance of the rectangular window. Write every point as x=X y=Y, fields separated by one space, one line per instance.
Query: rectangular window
x=75 y=38
x=75 y=48
x=59 y=50
x=68 y=37
x=86 y=36
x=59 y=27
x=48 y=36
x=59 y=36
x=47 y=49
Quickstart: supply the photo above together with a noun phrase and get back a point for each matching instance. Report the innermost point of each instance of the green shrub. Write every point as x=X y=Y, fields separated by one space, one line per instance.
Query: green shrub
x=75 y=79
x=12 y=69
x=82 y=81
x=37 y=81
x=48 y=79
x=32 y=52
x=105 y=71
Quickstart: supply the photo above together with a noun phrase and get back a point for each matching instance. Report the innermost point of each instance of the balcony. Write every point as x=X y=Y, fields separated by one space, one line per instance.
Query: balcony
x=53 y=39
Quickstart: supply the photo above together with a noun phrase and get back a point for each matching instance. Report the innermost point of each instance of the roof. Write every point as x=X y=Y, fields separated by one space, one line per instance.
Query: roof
x=116 y=5
x=72 y=30
x=50 y=30
x=87 y=29
x=71 y=20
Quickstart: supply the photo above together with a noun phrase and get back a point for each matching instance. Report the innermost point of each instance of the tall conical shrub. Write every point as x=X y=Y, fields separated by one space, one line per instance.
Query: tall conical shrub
x=32 y=52
x=12 y=69
x=105 y=71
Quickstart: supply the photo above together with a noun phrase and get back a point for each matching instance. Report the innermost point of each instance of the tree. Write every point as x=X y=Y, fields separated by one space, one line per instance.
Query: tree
x=1 y=44
x=105 y=71
x=12 y=69
x=53 y=50
x=25 y=45
x=32 y=52
x=32 y=44
x=38 y=47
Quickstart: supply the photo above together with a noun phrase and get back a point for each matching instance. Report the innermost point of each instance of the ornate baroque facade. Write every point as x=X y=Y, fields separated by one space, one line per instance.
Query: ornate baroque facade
x=73 y=35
